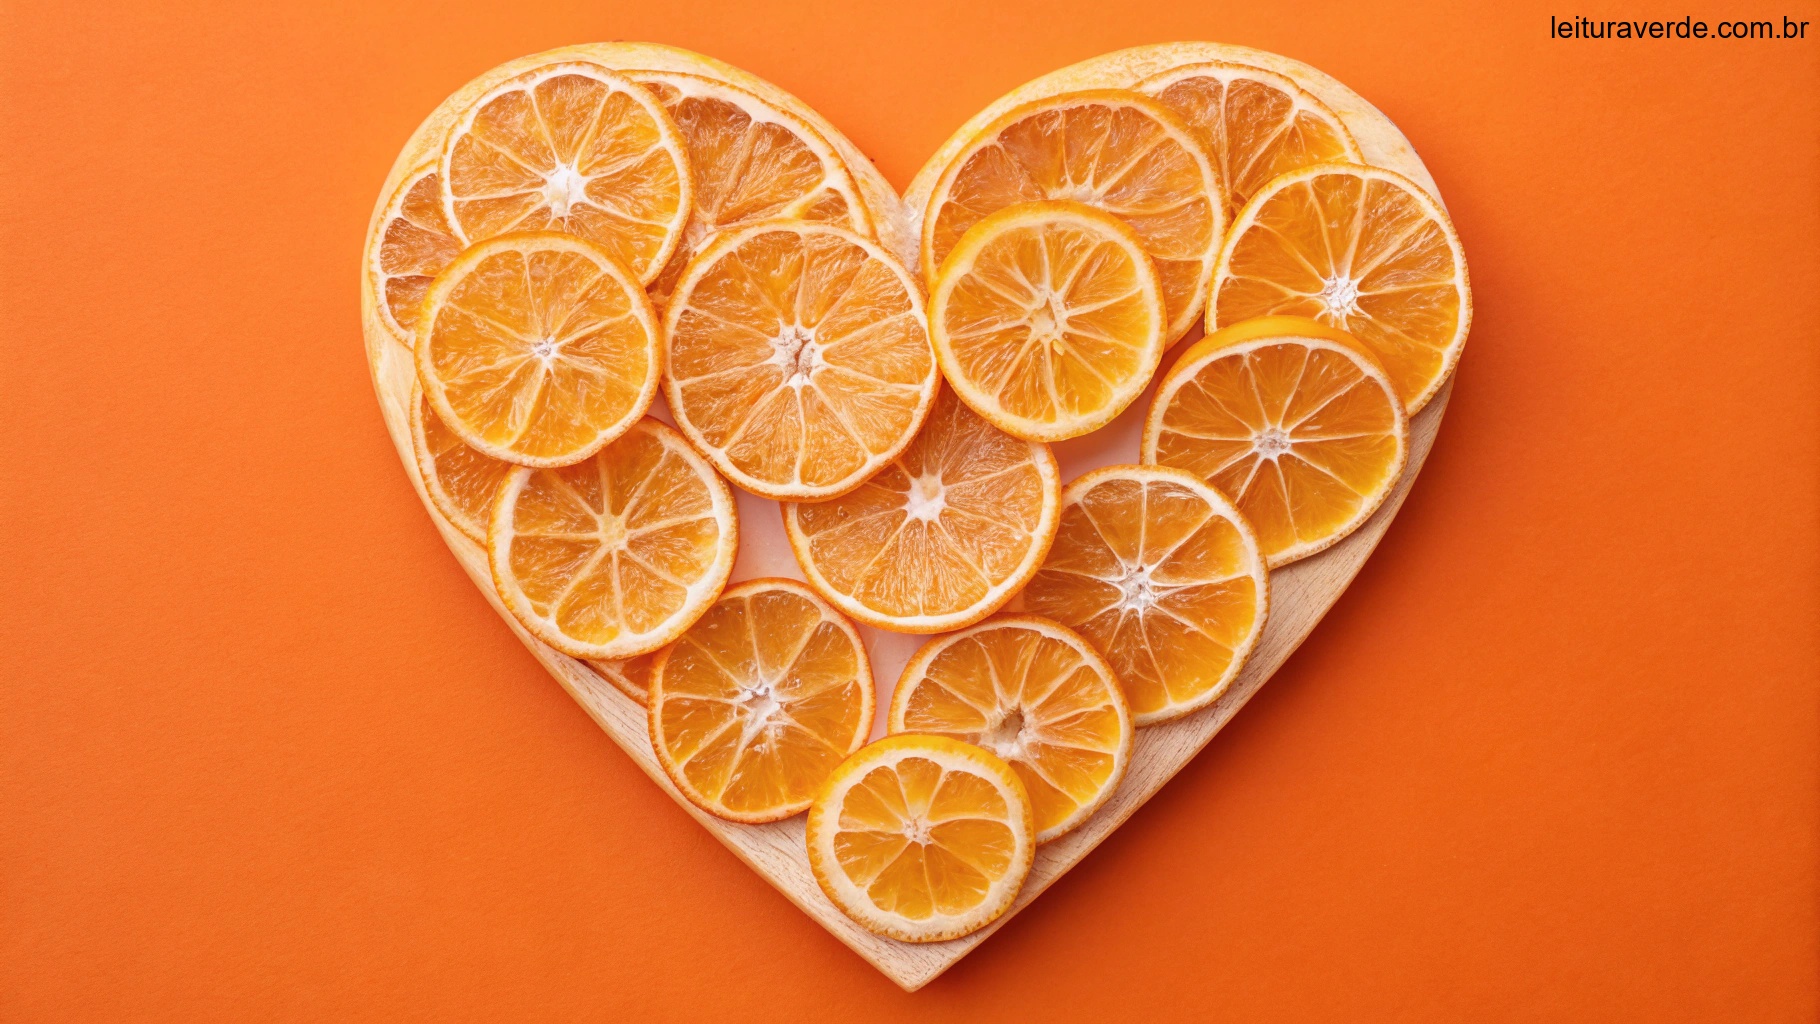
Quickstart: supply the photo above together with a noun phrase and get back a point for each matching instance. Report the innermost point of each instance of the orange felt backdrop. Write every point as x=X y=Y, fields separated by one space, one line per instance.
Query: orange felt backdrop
x=266 y=755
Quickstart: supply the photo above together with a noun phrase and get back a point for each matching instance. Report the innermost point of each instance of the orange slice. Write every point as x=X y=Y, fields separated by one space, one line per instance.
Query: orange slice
x=756 y=704
x=616 y=556
x=1256 y=124
x=799 y=358
x=1164 y=577
x=922 y=838
x=940 y=538
x=538 y=349
x=1033 y=692
x=1358 y=248
x=414 y=246
x=752 y=161
x=461 y=482
x=1048 y=319
x=1119 y=151
x=575 y=148
x=1292 y=420
x=630 y=676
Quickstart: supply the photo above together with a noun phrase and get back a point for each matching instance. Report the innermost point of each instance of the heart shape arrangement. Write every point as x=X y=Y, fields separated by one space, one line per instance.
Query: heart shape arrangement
x=1300 y=592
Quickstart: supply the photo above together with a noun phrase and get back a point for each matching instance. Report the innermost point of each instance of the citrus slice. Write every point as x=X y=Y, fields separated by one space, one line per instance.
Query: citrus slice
x=616 y=556
x=414 y=245
x=757 y=703
x=1255 y=124
x=1358 y=248
x=921 y=838
x=630 y=676
x=1292 y=420
x=1048 y=319
x=942 y=536
x=1033 y=692
x=751 y=161
x=1119 y=151
x=799 y=358
x=461 y=482
x=1161 y=574
x=570 y=147
x=538 y=349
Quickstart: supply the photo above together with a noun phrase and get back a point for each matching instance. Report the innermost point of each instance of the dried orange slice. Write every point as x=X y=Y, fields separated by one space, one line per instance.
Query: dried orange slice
x=1292 y=420
x=922 y=838
x=1256 y=124
x=615 y=556
x=1048 y=319
x=942 y=536
x=1359 y=248
x=757 y=703
x=799 y=358
x=1164 y=577
x=1033 y=692
x=630 y=676
x=414 y=246
x=752 y=161
x=575 y=148
x=461 y=482
x=538 y=349
x=1119 y=151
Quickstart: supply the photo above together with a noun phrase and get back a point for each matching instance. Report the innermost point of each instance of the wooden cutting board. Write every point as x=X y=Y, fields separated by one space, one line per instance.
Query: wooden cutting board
x=1300 y=594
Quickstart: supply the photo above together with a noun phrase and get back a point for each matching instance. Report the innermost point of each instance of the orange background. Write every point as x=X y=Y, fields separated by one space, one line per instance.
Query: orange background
x=266 y=754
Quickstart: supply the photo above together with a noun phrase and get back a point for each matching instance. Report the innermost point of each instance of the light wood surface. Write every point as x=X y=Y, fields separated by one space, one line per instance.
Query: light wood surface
x=1300 y=593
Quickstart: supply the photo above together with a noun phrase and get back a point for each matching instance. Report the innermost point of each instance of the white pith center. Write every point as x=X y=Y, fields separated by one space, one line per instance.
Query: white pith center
x=918 y=830
x=1010 y=736
x=544 y=349
x=1082 y=193
x=796 y=351
x=612 y=531
x=925 y=500
x=1136 y=591
x=564 y=188
x=1271 y=443
x=761 y=706
x=1048 y=319
x=1340 y=296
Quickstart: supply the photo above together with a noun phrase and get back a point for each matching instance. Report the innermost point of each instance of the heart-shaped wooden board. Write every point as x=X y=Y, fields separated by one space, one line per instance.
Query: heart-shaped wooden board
x=1300 y=593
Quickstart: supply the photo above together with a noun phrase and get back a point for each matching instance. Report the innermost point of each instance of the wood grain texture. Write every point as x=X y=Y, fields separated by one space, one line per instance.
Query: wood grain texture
x=1301 y=593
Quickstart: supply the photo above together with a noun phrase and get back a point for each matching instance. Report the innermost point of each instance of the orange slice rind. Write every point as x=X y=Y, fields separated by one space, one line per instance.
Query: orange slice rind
x=756 y=704
x=616 y=556
x=921 y=838
x=1035 y=693
x=1164 y=577
x=1359 y=248
x=1290 y=419
x=538 y=349
x=752 y=160
x=414 y=245
x=1048 y=319
x=1255 y=123
x=942 y=536
x=1116 y=150
x=570 y=147
x=461 y=482
x=798 y=358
